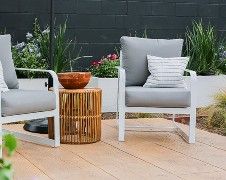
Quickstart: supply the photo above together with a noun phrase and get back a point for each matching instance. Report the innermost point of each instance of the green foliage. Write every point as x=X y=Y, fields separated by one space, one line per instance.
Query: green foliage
x=62 y=47
x=106 y=67
x=30 y=54
x=10 y=143
x=203 y=48
x=34 y=53
x=2 y=32
x=221 y=99
x=6 y=169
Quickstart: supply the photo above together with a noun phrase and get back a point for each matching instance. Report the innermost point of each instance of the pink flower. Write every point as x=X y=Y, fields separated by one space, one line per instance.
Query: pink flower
x=114 y=57
x=94 y=63
x=109 y=56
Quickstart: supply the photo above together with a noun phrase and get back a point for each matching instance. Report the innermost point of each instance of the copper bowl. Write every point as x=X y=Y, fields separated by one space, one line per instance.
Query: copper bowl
x=74 y=80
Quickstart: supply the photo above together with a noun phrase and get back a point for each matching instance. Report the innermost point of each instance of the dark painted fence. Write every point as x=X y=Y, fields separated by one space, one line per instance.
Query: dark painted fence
x=99 y=24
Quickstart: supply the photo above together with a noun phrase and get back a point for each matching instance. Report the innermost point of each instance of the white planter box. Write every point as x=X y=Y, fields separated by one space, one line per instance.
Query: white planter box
x=33 y=84
x=206 y=88
x=109 y=88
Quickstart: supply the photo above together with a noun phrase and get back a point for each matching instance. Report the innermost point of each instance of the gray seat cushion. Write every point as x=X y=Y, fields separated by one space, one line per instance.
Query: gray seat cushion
x=7 y=62
x=16 y=102
x=134 y=56
x=137 y=96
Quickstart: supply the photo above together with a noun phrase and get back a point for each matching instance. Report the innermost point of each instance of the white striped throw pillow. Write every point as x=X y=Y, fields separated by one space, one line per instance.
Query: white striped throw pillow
x=3 y=86
x=166 y=72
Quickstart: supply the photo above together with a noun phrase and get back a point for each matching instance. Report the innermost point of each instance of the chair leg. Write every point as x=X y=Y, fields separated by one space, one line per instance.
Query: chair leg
x=173 y=117
x=121 y=125
x=57 y=130
x=192 y=125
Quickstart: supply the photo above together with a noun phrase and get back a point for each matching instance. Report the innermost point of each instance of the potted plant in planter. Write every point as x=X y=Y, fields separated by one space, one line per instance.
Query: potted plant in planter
x=105 y=70
x=28 y=54
x=208 y=58
x=34 y=53
x=63 y=62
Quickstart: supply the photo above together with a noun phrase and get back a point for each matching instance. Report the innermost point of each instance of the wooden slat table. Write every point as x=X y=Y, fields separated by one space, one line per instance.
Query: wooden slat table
x=80 y=116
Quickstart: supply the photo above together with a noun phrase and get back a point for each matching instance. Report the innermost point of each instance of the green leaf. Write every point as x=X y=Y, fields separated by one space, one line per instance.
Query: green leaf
x=10 y=143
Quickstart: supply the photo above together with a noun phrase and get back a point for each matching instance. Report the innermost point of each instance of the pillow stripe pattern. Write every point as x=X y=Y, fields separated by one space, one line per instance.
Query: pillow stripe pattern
x=166 y=72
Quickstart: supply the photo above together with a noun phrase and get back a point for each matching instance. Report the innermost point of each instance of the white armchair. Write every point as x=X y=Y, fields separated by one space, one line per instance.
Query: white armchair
x=17 y=105
x=132 y=97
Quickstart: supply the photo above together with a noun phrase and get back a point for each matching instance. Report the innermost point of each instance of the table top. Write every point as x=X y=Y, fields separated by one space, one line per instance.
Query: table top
x=80 y=90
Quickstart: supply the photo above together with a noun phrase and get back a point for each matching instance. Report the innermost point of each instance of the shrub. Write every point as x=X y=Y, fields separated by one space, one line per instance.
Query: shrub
x=203 y=47
x=30 y=54
x=10 y=144
x=34 y=53
x=217 y=113
x=106 y=67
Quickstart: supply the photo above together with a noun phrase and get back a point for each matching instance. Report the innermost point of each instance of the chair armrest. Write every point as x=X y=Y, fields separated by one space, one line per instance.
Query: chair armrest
x=121 y=87
x=121 y=75
x=52 y=73
x=193 y=75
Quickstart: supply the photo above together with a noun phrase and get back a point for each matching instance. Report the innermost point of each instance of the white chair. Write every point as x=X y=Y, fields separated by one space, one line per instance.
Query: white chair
x=23 y=105
x=132 y=97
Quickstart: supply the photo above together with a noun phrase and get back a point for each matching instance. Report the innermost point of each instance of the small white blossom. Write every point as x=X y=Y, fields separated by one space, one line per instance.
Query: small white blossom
x=46 y=31
x=31 y=50
x=29 y=36
x=20 y=45
x=39 y=55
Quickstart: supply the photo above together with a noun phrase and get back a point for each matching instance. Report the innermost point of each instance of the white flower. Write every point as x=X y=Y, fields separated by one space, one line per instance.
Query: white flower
x=29 y=36
x=46 y=31
x=224 y=54
x=20 y=45
x=39 y=55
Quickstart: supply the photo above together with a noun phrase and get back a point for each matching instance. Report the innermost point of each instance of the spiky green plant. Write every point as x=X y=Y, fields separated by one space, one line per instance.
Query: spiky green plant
x=202 y=46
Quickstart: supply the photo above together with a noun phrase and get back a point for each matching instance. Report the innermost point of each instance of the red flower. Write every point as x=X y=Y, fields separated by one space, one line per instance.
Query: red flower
x=94 y=63
x=114 y=57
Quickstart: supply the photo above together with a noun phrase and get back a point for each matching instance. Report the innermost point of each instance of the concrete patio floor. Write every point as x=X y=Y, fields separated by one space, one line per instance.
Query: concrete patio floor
x=143 y=156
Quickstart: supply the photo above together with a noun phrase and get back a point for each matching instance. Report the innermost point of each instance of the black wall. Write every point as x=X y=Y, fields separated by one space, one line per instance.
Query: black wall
x=99 y=24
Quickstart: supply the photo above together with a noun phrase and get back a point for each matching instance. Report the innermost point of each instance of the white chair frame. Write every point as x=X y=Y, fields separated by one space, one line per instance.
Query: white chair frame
x=26 y=117
x=122 y=109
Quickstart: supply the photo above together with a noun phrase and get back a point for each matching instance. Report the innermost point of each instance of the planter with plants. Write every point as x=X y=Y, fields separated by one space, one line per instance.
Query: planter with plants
x=208 y=58
x=34 y=54
x=105 y=70
x=29 y=54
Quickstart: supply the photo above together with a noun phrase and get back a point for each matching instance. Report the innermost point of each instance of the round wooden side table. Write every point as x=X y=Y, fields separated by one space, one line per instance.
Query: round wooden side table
x=80 y=116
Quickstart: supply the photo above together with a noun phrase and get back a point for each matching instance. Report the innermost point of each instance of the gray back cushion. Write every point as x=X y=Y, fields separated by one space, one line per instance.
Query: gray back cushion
x=134 y=56
x=7 y=62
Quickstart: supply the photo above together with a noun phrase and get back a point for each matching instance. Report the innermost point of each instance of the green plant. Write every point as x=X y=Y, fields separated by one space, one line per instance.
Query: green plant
x=6 y=169
x=217 y=113
x=63 y=49
x=2 y=32
x=30 y=54
x=34 y=53
x=106 y=67
x=203 y=47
